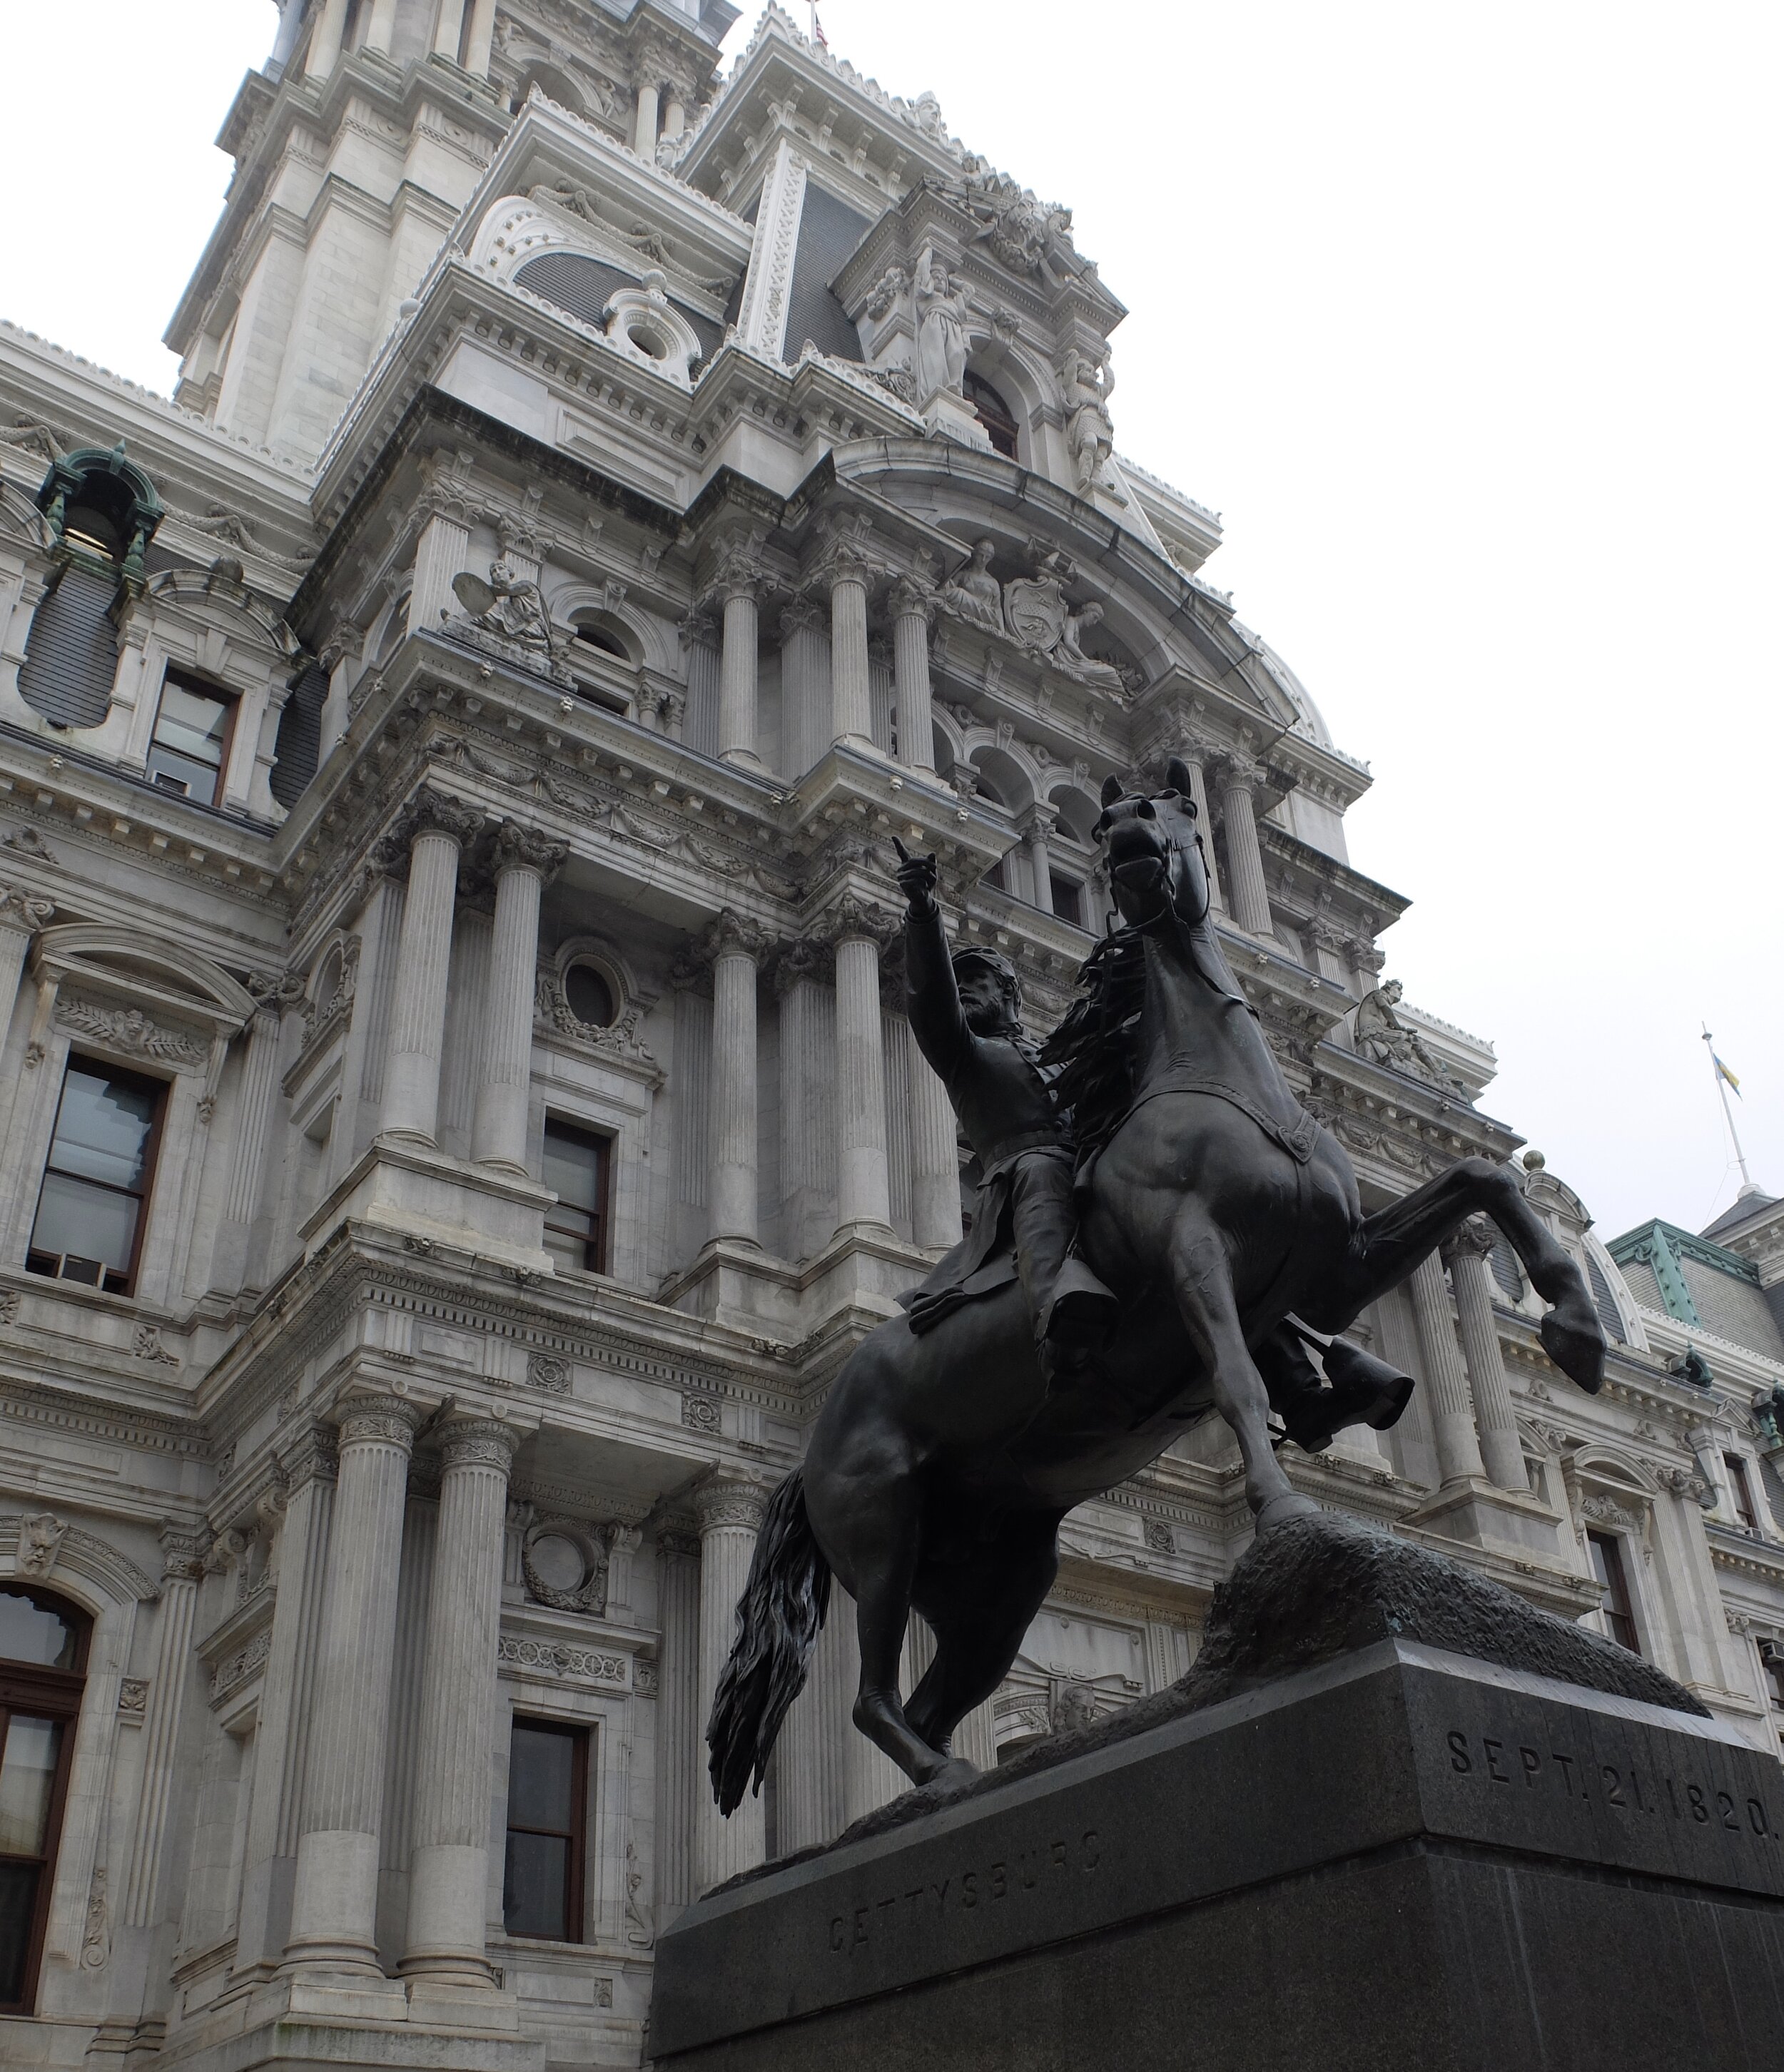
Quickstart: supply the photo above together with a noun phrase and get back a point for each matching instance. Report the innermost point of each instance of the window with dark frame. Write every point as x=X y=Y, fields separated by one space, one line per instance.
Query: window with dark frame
x=1741 y=1489
x=1606 y=1550
x=43 y=1661
x=993 y=413
x=578 y=1168
x=1068 y=899
x=1771 y=1655
x=189 y=749
x=91 y=1208
x=542 y=1873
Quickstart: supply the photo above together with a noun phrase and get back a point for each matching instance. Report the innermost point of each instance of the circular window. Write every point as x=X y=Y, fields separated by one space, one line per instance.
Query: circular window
x=590 y=996
x=648 y=341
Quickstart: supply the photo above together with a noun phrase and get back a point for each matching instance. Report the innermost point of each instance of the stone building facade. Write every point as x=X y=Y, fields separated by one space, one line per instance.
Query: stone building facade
x=456 y=1107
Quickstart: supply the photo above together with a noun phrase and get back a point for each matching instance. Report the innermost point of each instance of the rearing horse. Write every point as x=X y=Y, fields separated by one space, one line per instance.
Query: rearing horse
x=941 y=1464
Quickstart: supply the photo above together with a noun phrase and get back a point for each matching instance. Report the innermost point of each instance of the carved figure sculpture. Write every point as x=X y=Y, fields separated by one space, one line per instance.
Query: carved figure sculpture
x=1228 y=1223
x=941 y=329
x=1070 y=655
x=1085 y=386
x=1381 y=1035
x=512 y=608
x=972 y=594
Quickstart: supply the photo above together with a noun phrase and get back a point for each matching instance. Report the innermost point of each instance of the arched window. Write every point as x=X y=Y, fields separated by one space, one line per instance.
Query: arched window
x=43 y=1665
x=994 y=412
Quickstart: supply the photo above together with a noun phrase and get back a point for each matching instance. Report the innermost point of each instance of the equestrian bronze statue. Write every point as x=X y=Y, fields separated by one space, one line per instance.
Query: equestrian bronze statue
x=1228 y=1225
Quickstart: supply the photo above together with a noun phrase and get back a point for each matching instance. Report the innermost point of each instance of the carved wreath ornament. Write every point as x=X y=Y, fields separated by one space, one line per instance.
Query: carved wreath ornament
x=550 y=1555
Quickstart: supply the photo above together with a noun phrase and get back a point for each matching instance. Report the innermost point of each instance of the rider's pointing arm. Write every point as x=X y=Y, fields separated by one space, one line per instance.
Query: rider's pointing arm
x=932 y=1000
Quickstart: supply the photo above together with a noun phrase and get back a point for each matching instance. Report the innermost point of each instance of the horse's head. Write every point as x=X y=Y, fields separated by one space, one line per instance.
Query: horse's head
x=1154 y=850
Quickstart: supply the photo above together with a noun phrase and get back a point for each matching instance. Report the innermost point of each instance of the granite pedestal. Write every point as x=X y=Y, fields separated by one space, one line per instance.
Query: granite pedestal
x=1399 y=1856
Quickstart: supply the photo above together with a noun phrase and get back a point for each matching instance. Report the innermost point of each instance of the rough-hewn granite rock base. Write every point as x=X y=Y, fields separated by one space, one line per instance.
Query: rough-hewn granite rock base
x=1372 y=1831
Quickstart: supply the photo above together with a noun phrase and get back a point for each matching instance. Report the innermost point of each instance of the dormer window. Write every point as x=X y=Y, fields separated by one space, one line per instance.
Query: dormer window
x=190 y=745
x=103 y=507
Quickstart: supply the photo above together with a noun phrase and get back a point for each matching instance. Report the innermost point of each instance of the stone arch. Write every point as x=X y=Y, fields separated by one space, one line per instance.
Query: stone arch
x=150 y=970
x=647 y=638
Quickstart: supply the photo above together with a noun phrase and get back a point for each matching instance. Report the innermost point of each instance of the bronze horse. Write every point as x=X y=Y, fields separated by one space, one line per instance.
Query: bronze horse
x=1223 y=1216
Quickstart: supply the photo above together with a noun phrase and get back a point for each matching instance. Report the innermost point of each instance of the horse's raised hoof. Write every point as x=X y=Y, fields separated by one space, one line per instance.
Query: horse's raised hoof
x=1578 y=1349
x=1279 y=1510
x=953 y=1775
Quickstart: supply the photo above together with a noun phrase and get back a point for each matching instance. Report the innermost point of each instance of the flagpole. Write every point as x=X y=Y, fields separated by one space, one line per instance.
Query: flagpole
x=1728 y=1113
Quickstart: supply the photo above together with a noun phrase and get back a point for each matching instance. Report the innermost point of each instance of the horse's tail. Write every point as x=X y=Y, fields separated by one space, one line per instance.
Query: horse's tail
x=778 y=1618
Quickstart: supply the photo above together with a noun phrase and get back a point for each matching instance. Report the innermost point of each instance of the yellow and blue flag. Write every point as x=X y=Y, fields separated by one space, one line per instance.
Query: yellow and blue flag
x=1722 y=1072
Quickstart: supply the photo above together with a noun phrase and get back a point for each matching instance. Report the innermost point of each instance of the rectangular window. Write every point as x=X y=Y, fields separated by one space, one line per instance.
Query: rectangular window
x=578 y=1167
x=95 y=1186
x=40 y=1688
x=191 y=739
x=1068 y=900
x=542 y=1874
x=1740 y=1490
x=1606 y=1550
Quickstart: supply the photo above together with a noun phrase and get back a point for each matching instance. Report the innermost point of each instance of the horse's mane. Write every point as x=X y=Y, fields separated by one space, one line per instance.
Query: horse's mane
x=1092 y=1051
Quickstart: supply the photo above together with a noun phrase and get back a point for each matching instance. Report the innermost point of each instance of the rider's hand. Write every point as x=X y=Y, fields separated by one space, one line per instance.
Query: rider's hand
x=916 y=877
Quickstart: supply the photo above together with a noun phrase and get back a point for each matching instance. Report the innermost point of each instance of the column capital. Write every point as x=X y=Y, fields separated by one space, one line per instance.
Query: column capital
x=737 y=570
x=429 y=812
x=802 y=615
x=181 y=1553
x=697 y=629
x=1472 y=1239
x=391 y=1420
x=731 y=1498
x=845 y=555
x=730 y=934
x=480 y=1442
x=518 y=847
x=23 y=910
x=914 y=597
x=312 y=1455
x=1236 y=770
x=1038 y=822
x=852 y=920
x=805 y=957
x=278 y=992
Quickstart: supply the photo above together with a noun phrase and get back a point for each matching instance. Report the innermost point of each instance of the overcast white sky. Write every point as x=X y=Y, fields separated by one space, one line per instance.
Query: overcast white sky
x=1465 y=317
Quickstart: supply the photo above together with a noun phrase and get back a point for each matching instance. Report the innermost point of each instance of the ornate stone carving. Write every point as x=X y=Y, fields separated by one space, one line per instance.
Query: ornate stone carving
x=885 y=291
x=580 y=1665
x=20 y=908
x=729 y=1499
x=941 y=329
x=805 y=958
x=230 y=1674
x=40 y=1537
x=367 y=1419
x=702 y=1413
x=1159 y=1536
x=1381 y=1037
x=1603 y=1509
x=1027 y=235
x=1681 y=1482
x=484 y=1442
x=588 y=1593
x=518 y=846
x=9 y=1305
x=145 y=1343
x=971 y=592
x=851 y=920
x=95 y=1932
x=731 y=934
x=549 y=1372
x=129 y=1030
x=644 y=1677
x=508 y=616
x=312 y=1455
x=1086 y=385
x=640 y=1932
x=182 y=1554
x=132 y=1700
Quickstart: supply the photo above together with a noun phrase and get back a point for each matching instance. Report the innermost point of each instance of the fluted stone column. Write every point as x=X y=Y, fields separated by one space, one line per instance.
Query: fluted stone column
x=434 y=827
x=645 y=131
x=448 y=27
x=525 y=860
x=1251 y=898
x=1452 y=1406
x=1038 y=826
x=1467 y=1254
x=851 y=685
x=729 y=1507
x=863 y=1191
x=732 y=944
x=169 y=1680
x=335 y=1897
x=912 y=611
x=675 y=112
x=449 y=1870
x=1195 y=755
x=381 y=26
x=807 y=1097
x=934 y=1159
x=737 y=673
x=680 y=1774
